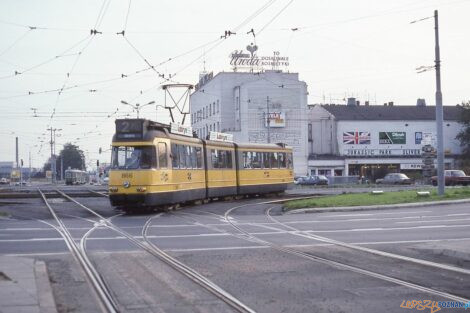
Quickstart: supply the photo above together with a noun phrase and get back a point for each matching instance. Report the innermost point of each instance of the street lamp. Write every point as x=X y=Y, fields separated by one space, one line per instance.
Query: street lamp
x=137 y=106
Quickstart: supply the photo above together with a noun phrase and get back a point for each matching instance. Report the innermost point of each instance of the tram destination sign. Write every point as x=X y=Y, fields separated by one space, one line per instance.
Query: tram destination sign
x=129 y=128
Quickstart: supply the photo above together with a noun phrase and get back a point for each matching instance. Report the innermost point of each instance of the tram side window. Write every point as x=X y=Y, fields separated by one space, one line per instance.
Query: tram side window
x=199 y=157
x=162 y=155
x=182 y=156
x=274 y=160
x=282 y=160
x=290 y=162
x=256 y=159
x=247 y=159
x=174 y=156
x=215 y=158
x=221 y=158
x=266 y=160
x=187 y=154
x=228 y=158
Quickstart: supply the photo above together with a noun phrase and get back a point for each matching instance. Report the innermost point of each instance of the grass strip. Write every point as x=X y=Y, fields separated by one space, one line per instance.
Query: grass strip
x=364 y=199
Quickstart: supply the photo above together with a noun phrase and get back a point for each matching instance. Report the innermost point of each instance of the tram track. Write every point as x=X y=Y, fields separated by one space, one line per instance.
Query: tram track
x=107 y=302
x=243 y=234
x=145 y=245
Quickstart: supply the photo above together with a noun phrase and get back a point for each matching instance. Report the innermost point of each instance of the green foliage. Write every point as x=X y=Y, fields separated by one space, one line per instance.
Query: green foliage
x=464 y=135
x=72 y=157
x=360 y=199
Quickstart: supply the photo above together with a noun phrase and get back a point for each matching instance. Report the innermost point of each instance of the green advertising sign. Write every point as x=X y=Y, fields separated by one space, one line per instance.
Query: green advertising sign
x=392 y=138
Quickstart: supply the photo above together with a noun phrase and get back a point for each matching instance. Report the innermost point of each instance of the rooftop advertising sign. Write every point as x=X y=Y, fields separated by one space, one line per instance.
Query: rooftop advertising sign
x=240 y=59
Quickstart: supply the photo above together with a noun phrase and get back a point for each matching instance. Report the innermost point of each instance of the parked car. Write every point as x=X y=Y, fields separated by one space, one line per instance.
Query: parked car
x=394 y=179
x=453 y=177
x=312 y=180
x=4 y=181
x=298 y=178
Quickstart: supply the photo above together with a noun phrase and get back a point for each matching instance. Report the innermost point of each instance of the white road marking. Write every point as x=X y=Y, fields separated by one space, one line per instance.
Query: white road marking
x=249 y=247
x=434 y=221
x=384 y=229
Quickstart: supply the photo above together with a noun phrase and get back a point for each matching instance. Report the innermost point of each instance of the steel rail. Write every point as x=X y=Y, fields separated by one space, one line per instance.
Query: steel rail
x=341 y=265
x=368 y=250
x=149 y=247
x=103 y=294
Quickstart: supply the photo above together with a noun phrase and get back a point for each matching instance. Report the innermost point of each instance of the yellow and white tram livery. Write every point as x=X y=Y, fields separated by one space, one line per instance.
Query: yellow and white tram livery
x=155 y=164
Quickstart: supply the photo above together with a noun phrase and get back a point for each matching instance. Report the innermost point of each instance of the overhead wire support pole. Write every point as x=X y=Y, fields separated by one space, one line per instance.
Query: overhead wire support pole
x=268 y=119
x=439 y=112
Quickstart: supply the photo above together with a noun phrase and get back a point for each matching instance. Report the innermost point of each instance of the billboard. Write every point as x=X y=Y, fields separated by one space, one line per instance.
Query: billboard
x=392 y=138
x=276 y=119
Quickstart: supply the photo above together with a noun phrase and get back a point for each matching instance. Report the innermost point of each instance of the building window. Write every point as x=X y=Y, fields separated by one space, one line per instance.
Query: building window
x=218 y=126
x=310 y=132
x=213 y=108
x=203 y=113
x=218 y=106
x=210 y=109
x=207 y=111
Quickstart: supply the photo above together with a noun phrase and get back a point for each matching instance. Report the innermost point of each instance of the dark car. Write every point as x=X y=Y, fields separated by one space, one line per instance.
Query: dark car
x=395 y=179
x=453 y=177
x=312 y=180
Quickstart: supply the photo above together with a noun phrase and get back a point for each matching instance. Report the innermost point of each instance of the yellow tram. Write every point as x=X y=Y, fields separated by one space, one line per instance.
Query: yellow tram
x=154 y=164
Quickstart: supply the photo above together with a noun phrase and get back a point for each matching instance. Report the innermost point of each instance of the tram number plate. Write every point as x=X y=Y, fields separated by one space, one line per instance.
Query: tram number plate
x=127 y=175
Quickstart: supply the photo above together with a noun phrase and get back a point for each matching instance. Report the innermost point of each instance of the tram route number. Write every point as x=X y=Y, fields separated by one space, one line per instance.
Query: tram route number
x=127 y=175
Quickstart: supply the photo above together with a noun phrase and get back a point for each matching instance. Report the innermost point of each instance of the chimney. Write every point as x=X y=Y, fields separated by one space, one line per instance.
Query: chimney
x=420 y=102
x=358 y=103
x=367 y=103
x=390 y=104
x=351 y=102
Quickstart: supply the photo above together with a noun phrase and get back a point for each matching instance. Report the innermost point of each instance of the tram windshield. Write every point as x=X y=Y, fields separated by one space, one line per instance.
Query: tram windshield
x=125 y=157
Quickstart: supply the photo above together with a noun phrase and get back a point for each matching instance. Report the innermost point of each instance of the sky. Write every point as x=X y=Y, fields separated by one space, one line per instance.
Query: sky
x=55 y=73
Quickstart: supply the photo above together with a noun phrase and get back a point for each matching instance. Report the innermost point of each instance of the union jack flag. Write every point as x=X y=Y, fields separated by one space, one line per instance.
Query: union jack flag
x=356 y=138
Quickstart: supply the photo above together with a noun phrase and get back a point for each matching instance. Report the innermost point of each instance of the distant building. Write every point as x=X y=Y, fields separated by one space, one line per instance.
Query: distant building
x=238 y=103
x=6 y=169
x=365 y=140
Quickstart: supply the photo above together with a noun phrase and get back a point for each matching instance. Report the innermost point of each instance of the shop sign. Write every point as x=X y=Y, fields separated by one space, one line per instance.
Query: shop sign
x=412 y=166
x=276 y=119
x=382 y=152
x=392 y=138
x=429 y=138
x=418 y=138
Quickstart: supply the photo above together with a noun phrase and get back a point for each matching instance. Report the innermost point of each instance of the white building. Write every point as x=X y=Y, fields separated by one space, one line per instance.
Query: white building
x=369 y=141
x=238 y=103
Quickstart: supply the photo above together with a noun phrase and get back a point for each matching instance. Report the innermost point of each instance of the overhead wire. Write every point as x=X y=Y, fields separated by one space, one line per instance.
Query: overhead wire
x=274 y=17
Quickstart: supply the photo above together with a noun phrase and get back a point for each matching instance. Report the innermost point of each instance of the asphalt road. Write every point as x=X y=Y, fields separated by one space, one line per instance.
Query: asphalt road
x=245 y=258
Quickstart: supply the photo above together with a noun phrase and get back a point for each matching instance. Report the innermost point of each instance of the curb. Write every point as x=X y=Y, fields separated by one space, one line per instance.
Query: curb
x=376 y=207
x=44 y=290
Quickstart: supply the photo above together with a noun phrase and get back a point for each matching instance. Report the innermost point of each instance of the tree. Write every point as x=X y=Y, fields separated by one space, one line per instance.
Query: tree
x=72 y=158
x=464 y=135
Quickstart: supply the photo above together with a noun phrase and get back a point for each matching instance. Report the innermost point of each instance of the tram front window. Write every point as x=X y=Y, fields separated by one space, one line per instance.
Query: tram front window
x=133 y=157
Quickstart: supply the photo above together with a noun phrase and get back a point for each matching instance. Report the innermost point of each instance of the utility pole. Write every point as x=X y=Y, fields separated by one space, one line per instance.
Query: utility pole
x=29 y=176
x=268 y=120
x=439 y=112
x=52 y=156
x=53 y=162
